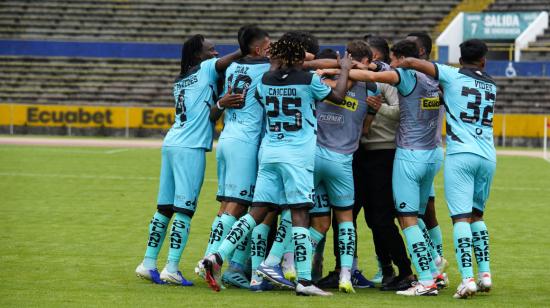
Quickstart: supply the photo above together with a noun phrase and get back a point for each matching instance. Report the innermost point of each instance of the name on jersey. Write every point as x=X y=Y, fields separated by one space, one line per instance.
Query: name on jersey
x=331 y=118
x=189 y=81
x=282 y=92
x=348 y=103
x=484 y=85
x=430 y=103
x=241 y=70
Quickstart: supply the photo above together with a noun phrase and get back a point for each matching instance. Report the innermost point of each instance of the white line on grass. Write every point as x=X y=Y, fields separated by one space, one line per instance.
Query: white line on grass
x=115 y=151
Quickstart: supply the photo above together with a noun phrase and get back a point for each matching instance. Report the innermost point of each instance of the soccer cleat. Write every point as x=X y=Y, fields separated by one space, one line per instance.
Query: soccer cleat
x=236 y=277
x=306 y=290
x=289 y=274
x=360 y=281
x=399 y=283
x=275 y=275
x=346 y=287
x=330 y=281
x=378 y=277
x=484 y=282
x=289 y=271
x=149 y=274
x=466 y=289
x=442 y=281
x=442 y=265
x=419 y=289
x=174 y=278
x=211 y=265
x=260 y=285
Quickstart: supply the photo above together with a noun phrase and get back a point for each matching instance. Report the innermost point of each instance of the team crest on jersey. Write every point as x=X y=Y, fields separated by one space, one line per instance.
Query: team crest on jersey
x=430 y=103
x=348 y=103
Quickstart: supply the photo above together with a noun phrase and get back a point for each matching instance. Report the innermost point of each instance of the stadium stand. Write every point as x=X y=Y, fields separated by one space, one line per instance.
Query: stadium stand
x=84 y=81
x=60 y=80
x=169 y=21
x=539 y=50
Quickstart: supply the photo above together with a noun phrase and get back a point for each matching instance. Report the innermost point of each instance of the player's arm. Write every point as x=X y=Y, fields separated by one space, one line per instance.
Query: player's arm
x=224 y=62
x=389 y=77
x=391 y=109
x=320 y=64
x=422 y=66
x=332 y=83
x=229 y=100
x=339 y=92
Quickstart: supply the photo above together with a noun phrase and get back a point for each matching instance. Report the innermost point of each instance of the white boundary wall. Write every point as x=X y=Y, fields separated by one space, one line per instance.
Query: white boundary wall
x=530 y=34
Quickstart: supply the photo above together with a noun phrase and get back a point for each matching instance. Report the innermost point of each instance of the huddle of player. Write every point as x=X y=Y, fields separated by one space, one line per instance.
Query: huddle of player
x=287 y=150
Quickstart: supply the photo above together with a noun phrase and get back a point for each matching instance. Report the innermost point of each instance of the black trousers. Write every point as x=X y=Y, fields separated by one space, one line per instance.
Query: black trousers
x=372 y=174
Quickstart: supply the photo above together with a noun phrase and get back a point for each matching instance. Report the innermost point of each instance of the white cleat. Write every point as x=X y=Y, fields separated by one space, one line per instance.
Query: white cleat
x=442 y=265
x=174 y=278
x=419 y=289
x=466 y=289
x=310 y=290
x=484 y=282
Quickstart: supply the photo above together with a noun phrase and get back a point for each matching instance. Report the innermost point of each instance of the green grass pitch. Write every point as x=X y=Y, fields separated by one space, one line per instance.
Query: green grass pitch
x=74 y=225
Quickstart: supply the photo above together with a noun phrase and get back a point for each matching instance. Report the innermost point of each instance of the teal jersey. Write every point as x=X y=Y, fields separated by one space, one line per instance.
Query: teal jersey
x=244 y=123
x=289 y=100
x=194 y=93
x=469 y=96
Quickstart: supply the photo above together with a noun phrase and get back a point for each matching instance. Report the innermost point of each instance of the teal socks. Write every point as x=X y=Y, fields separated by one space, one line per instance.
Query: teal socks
x=240 y=229
x=223 y=227
x=462 y=236
x=283 y=240
x=480 y=241
x=258 y=247
x=419 y=252
x=302 y=252
x=242 y=251
x=346 y=243
x=178 y=238
x=433 y=255
x=157 y=233
x=437 y=239
x=316 y=237
x=212 y=232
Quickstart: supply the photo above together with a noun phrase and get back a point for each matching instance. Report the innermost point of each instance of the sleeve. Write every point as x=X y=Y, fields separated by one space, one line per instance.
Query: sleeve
x=407 y=81
x=445 y=73
x=209 y=67
x=391 y=109
x=319 y=89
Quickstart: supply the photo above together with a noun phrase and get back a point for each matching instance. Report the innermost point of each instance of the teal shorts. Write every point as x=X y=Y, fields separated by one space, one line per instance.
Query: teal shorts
x=283 y=185
x=181 y=177
x=321 y=206
x=412 y=179
x=237 y=170
x=468 y=179
x=333 y=179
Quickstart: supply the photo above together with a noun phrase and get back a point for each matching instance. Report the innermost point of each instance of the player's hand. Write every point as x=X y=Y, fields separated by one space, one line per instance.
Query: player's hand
x=375 y=102
x=359 y=65
x=309 y=56
x=346 y=62
x=230 y=100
